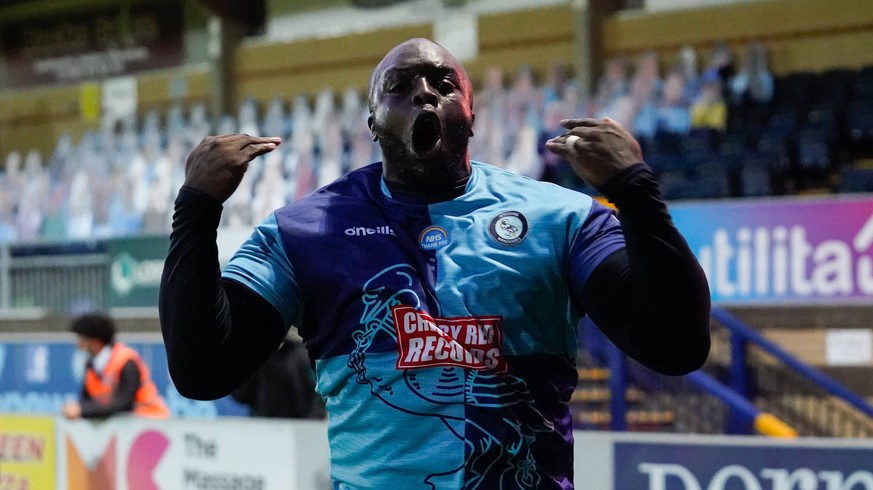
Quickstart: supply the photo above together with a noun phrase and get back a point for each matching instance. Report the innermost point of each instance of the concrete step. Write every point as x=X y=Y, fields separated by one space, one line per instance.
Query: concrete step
x=636 y=419
x=592 y=374
x=585 y=395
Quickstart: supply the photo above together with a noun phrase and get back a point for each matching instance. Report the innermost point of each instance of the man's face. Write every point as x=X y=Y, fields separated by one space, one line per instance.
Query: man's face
x=421 y=113
x=89 y=345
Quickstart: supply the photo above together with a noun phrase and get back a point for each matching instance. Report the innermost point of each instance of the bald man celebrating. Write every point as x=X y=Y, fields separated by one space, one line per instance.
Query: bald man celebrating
x=438 y=297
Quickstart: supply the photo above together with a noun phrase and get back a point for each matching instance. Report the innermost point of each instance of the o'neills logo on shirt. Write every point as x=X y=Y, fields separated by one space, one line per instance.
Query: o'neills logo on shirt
x=365 y=231
x=471 y=342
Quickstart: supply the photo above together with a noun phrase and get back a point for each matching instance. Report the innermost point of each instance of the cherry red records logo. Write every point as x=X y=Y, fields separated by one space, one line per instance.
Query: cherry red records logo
x=473 y=342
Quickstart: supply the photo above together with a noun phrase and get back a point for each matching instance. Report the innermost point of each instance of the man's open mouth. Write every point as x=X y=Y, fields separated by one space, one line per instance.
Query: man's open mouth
x=426 y=133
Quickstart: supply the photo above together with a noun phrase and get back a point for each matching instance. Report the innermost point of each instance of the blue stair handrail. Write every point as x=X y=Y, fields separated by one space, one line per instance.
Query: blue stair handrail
x=746 y=414
x=745 y=417
x=744 y=411
x=742 y=333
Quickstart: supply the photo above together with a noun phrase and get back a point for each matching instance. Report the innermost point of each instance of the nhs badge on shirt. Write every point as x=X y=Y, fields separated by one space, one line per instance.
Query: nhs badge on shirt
x=509 y=228
x=433 y=237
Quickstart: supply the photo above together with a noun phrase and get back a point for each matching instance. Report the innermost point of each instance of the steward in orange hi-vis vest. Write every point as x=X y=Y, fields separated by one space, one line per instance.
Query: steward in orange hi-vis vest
x=100 y=386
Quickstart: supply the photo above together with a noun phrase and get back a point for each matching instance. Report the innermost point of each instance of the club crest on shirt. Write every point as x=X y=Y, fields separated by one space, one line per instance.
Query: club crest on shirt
x=508 y=228
x=433 y=237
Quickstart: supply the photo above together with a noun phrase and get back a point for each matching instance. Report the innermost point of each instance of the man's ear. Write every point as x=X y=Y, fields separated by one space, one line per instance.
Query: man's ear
x=370 y=125
x=472 y=122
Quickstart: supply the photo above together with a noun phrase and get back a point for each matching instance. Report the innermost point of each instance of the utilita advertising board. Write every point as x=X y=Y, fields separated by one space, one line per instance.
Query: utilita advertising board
x=774 y=251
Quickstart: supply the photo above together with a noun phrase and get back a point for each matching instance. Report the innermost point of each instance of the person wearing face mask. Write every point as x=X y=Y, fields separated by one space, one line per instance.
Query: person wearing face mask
x=438 y=297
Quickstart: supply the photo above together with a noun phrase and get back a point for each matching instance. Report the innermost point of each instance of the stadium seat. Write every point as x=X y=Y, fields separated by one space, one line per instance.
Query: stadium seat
x=856 y=179
x=863 y=86
x=699 y=148
x=816 y=157
x=706 y=181
x=793 y=90
x=834 y=86
x=859 y=129
x=755 y=178
x=776 y=147
x=712 y=180
x=733 y=146
x=824 y=115
x=776 y=151
x=665 y=152
x=784 y=120
x=676 y=185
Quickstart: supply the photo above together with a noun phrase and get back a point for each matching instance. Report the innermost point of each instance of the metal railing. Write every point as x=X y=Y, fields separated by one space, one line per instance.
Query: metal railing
x=748 y=385
x=802 y=395
x=54 y=278
x=698 y=402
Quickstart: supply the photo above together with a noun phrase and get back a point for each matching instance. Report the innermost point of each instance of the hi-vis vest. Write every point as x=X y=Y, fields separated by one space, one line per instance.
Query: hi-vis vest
x=148 y=403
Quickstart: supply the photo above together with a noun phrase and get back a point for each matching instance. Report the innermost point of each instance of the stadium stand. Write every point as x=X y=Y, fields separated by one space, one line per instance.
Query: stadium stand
x=128 y=172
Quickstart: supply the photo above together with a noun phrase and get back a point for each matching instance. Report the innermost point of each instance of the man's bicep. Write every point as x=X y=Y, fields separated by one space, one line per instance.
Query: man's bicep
x=598 y=237
x=600 y=278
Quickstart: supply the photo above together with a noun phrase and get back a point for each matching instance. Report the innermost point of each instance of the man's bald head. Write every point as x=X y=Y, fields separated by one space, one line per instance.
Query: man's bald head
x=421 y=114
x=421 y=49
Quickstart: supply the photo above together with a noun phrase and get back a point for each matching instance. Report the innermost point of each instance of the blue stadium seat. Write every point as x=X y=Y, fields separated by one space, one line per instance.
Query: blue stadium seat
x=699 y=148
x=859 y=130
x=793 y=90
x=776 y=147
x=816 y=157
x=664 y=152
x=755 y=178
x=676 y=185
x=712 y=180
x=733 y=147
x=824 y=115
x=856 y=179
x=707 y=181
x=834 y=86
x=784 y=120
x=863 y=87
x=815 y=149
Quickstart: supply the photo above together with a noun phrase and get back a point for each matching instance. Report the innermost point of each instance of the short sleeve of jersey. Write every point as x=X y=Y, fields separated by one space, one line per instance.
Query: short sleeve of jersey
x=262 y=265
x=599 y=236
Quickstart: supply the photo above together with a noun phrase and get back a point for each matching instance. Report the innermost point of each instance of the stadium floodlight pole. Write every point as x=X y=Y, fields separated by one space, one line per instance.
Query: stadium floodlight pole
x=225 y=35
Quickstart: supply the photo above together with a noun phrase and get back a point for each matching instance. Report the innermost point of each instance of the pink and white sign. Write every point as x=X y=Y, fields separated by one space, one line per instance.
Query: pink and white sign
x=783 y=251
x=127 y=453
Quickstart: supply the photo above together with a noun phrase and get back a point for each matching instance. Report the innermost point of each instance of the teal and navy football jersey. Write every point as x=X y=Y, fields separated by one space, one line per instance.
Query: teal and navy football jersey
x=443 y=335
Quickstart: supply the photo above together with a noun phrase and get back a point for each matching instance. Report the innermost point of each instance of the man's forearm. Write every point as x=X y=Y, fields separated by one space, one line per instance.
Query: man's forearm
x=192 y=305
x=664 y=304
x=123 y=396
x=213 y=328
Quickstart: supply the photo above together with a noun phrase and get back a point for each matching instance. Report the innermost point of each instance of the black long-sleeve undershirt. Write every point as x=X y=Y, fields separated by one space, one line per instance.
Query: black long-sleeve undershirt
x=122 y=399
x=651 y=298
x=217 y=332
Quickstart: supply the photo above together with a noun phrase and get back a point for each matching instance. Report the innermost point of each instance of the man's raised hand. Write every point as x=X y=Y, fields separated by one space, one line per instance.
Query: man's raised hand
x=597 y=149
x=217 y=165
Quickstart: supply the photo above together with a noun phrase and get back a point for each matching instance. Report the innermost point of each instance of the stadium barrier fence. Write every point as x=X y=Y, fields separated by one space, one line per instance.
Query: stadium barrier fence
x=52 y=453
x=749 y=385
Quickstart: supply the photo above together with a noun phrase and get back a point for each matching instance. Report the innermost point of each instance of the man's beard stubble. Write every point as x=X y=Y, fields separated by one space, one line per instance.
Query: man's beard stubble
x=446 y=167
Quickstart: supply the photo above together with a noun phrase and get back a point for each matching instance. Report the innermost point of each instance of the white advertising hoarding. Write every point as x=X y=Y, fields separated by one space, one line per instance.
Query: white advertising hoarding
x=244 y=454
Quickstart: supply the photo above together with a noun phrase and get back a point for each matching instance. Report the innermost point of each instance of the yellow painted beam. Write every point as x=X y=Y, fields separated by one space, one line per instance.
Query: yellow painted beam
x=769 y=425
